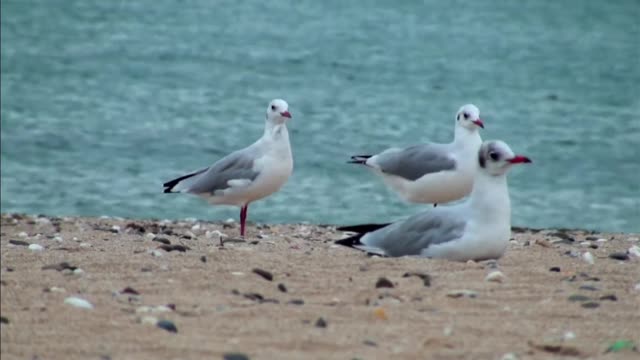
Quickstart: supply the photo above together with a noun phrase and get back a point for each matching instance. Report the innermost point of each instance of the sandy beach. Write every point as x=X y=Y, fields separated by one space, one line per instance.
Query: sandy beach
x=102 y=288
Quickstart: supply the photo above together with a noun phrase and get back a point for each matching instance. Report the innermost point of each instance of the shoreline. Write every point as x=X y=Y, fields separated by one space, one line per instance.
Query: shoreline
x=288 y=292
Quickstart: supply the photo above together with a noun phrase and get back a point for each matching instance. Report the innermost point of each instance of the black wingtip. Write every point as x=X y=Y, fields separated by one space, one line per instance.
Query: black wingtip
x=359 y=159
x=351 y=241
x=362 y=228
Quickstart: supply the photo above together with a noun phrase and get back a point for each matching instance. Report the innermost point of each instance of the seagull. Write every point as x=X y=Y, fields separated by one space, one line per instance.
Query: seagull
x=245 y=175
x=432 y=173
x=477 y=229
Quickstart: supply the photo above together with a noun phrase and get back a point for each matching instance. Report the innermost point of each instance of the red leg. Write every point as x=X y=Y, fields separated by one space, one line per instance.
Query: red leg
x=243 y=219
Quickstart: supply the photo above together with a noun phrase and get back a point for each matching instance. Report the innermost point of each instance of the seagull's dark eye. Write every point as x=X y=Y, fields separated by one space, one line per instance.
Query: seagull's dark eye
x=273 y=107
x=494 y=156
x=466 y=116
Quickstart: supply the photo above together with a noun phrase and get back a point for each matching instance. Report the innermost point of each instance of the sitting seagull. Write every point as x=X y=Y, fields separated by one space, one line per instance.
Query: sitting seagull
x=477 y=229
x=432 y=173
x=245 y=175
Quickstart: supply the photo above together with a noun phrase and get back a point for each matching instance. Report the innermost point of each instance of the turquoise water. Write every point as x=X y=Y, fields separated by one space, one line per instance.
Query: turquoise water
x=102 y=101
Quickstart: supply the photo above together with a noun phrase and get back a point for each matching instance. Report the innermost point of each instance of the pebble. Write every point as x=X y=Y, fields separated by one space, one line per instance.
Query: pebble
x=157 y=253
x=588 y=287
x=554 y=269
x=384 y=283
x=85 y=245
x=264 y=273
x=161 y=240
x=282 y=288
x=379 y=313
x=149 y=320
x=578 y=298
x=633 y=239
x=426 y=278
x=115 y=229
x=195 y=227
x=569 y=335
x=78 y=302
x=36 y=247
x=235 y=356
x=57 y=289
x=495 y=276
x=19 y=243
x=462 y=293
x=296 y=302
x=321 y=323
x=4 y=320
x=42 y=221
x=370 y=343
x=78 y=271
x=448 y=331
x=174 y=247
x=585 y=243
x=610 y=297
x=634 y=251
x=588 y=258
x=150 y=235
x=167 y=325
x=590 y=305
x=57 y=239
x=602 y=240
x=237 y=273
x=23 y=234
x=637 y=287
x=509 y=356
x=619 y=256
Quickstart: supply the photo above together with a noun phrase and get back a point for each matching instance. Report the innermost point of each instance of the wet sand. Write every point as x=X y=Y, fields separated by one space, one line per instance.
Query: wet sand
x=322 y=302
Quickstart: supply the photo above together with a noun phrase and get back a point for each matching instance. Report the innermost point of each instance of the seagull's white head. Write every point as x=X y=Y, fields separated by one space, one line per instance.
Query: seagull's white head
x=278 y=111
x=496 y=157
x=469 y=117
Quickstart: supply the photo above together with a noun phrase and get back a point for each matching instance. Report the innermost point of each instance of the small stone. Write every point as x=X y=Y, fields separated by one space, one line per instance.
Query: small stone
x=162 y=240
x=610 y=297
x=237 y=273
x=59 y=267
x=588 y=288
x=36 y=247
x=157 y=253
x=78 y=271
x=23 y=234
x=633 y=239
x=203 y=259
x=18 y=242
x=554 y=269
x=637 y=287
x=321 y=323
x=602 y=240
x=379 y=313
x=462 y=293
x=590 y=305
x=42 y=221
x=58 y=239
x=619 y=256
x=129 y=290
x=588 y=258
x=569 y=335
x=426 y=278
x=149 y=320
x=4 y=320
x=167 y=325
x=296 y=302
x=235 y=356
x=195 y=227
x=282 y=288
x=384 y=283
x=150 y=235
x=585 y=243
x=175 y=247
x=115 y=229
x=264 y=273
x=85 y=245
x=634 y=251
x=370 y=343
x=448 y=331
x=78 y=302
x=509 y=356
x=495 y=276
x=578 y=298
x=56 y=289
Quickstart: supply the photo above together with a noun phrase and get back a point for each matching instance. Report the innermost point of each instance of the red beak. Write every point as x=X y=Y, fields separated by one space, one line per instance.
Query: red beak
x=479 y=123
x=286 y=114
x=519 y=159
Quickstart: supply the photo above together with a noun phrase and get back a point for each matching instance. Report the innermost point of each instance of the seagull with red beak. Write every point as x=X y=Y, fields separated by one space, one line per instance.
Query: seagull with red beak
x=432 y=173
x=245 y=175
x=477 y=229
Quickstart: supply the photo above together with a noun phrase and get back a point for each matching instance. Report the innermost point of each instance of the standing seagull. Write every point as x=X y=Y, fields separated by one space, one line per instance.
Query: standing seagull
x=245 y=175
x=432 y=173
x=477 y=229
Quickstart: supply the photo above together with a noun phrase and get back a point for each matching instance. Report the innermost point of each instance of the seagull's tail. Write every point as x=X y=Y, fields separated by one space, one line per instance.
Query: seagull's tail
x=359 y=159
x=176 y=185
x=361 y=231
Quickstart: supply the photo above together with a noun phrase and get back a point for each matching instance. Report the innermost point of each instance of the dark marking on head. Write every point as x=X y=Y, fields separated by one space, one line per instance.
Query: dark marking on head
x=481 y=160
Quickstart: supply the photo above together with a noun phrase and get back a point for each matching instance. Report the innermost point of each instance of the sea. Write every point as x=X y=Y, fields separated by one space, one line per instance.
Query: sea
x=103 y=101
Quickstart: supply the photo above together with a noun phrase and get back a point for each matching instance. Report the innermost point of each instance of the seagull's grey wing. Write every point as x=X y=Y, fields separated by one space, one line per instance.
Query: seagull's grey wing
x=415 y=161
x=412 y=236
x=236 y=169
